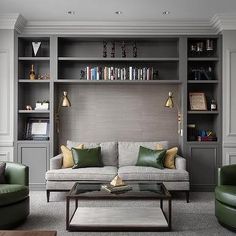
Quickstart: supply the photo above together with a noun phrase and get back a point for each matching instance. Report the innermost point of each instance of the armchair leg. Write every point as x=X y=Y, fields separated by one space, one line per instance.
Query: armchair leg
x=187 y=196
x=48 y=195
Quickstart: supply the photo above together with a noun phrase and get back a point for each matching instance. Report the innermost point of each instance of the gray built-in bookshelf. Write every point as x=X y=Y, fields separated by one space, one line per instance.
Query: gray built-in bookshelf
x=117 y=98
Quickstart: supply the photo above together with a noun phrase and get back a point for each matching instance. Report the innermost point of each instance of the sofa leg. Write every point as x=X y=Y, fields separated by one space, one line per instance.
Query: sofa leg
x=48 y=195
x=187 y=196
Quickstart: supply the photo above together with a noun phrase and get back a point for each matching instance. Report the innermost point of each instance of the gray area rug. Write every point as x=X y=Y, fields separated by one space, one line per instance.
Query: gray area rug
x=194 y=218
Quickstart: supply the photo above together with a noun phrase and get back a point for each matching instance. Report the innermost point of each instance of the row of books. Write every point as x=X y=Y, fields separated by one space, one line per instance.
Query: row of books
x=115 y=73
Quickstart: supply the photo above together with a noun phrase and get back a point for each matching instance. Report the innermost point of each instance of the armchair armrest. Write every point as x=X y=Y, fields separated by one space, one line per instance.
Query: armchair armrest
x=227 y=175
x=180 y=163
x=56 y=162
x=17 y=173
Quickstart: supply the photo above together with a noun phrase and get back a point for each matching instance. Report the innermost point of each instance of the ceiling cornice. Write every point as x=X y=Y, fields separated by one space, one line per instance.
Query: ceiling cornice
x=12 y=21
x=120 y=27
x=217 y=24
x=222 y=22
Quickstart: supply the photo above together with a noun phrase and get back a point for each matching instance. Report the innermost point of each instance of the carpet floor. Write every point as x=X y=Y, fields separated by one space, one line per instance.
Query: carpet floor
x=194 y=218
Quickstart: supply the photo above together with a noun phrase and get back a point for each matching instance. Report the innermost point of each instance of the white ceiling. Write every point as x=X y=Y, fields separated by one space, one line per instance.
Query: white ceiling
x=103 y=10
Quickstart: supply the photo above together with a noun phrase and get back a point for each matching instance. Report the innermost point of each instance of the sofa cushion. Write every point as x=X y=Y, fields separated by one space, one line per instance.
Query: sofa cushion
x=150 y=173
x=106 y=173
x=149 y=157
x=88 y=157
x=11 y=193
x=128 y=151
x=226 y=194
x=108 y=150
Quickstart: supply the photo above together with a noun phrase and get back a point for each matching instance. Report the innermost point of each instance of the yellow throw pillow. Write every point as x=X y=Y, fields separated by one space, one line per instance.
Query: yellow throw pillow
x=68 y=160
x=169 y=161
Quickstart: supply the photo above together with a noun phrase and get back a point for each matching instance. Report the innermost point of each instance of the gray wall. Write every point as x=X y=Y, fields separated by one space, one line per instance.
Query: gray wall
x=119 y=112
x=229 y=99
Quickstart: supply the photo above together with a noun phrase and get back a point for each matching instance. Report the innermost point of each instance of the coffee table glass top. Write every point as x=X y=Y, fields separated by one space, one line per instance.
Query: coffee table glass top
x=139 y=190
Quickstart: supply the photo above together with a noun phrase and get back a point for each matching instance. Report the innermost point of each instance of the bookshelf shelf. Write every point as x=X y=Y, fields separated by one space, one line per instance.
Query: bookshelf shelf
x=203 y=112
x=108 y=59
x=33 y=81
x=68 y=81
x=34 y=58
x=203 y=59
x=203 y=81
x=34 y=111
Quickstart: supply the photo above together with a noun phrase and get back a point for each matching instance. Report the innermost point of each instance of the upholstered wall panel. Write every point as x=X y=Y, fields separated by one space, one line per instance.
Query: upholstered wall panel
x=124 y=112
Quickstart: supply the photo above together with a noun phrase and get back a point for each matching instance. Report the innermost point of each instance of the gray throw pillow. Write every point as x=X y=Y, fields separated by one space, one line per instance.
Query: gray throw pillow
x=2 y=172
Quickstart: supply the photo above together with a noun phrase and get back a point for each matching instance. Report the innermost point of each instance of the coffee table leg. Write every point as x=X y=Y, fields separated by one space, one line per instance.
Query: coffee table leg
x=67 y=212
x=76 y=204
x=169 y=216
x=161 y=204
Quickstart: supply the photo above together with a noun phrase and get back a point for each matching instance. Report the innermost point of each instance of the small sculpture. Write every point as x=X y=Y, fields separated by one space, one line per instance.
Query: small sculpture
x=123 y=49
x=113 y=50
x=104 y=49
x=36 y=46
x=32 y=73
x=117 y=181
x=28 y=108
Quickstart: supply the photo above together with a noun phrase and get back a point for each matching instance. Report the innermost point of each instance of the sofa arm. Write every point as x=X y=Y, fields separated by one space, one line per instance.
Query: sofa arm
x=56 y=162
x=227 y=175
x=17 y=173
x=180 y=163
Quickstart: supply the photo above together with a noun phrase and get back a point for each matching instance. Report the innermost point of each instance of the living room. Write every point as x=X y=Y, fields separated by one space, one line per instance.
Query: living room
x=117 y=117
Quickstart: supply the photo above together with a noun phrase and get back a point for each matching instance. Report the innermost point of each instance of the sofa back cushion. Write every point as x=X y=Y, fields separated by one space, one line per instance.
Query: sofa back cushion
x=128 y=151
x=109 y=150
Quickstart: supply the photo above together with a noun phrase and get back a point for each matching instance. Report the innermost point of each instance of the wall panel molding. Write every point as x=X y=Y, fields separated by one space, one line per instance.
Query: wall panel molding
x=230 y=75
x=230 y=157
x=4 y=93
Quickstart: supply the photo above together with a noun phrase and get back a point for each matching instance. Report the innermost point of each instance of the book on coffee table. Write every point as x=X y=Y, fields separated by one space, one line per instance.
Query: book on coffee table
x=115 y=189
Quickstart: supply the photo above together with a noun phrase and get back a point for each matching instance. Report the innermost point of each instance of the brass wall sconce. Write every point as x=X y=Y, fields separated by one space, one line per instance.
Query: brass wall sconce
x=64 y=102
x=170 y=104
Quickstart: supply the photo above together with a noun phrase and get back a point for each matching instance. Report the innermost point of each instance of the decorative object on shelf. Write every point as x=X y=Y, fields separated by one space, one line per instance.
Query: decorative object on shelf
x=44 y=77
x=202 y=74
x=170 y=104
x=206 y=135
x=82 y=75
x=28 y=108
x=113 y=49
x=123 y=49
x=42 y=105
x=199 y=47
x=197 y=101
x=156 y=75
x=36 y=46
x=135 y=50
x=32 y=73
x=193 y=49
x=104 y=53
x=209 y=45
x=37 y=129
x=213 y=105
x=64 y=102
x=192 y=132
x=117 y=181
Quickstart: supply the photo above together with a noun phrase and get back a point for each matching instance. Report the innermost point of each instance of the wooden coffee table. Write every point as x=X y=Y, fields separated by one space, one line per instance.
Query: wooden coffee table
x=131 y=218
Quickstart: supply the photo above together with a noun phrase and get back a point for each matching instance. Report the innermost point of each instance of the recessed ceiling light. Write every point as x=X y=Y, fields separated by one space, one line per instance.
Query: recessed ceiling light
x=165 y=12
x=118 y=12
x=71 y=12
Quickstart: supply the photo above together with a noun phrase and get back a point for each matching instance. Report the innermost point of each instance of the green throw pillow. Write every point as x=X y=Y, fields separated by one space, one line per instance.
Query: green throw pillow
x=87 y=157
x=149 y=157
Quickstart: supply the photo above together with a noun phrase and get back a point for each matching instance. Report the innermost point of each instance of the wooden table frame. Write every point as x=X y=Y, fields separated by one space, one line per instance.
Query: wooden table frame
x=166 y=196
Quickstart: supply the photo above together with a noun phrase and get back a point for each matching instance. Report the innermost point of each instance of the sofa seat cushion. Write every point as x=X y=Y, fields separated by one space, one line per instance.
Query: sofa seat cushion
x=105 y=173
x=144 y=173
x=226 y=194
x=11 y=193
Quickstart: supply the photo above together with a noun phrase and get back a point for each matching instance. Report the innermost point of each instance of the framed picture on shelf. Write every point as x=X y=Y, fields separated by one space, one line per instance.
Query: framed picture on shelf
x=37 y=129
x=197 y=101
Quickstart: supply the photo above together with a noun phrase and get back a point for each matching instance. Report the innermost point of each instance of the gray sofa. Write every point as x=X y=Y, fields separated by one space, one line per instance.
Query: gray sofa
x=118 y=158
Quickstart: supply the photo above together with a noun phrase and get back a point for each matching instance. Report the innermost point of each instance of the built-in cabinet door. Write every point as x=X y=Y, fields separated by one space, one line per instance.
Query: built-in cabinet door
x=203 y=164
x=35 y=156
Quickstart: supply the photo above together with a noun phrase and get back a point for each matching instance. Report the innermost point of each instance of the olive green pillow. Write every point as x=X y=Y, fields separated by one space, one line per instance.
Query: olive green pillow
x=149 y=157
x=88 y=157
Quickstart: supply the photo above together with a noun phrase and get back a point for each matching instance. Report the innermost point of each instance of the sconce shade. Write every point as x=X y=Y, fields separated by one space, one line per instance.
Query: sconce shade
x=65 y=100
x=169 y=102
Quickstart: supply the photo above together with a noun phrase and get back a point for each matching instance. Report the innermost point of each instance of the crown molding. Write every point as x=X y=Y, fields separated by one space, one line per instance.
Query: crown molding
x=222 y=22
x=141 y=28
x=12 y=21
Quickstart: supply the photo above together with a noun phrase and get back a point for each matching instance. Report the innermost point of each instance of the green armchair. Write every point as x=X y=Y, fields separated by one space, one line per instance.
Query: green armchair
x=14 y=196
x=225 y=196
